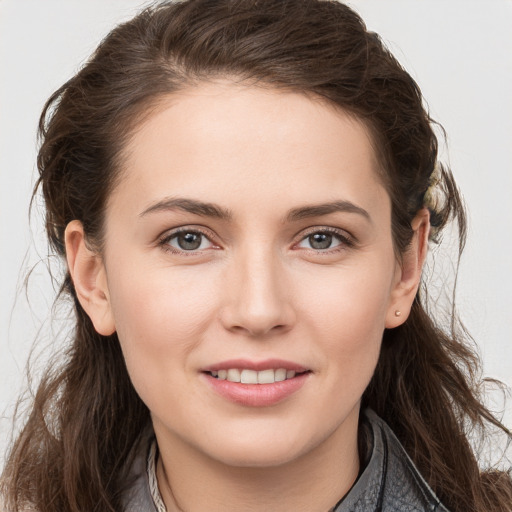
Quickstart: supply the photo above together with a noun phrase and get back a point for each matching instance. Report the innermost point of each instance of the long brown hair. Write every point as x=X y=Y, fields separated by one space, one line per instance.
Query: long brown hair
x=86 y=422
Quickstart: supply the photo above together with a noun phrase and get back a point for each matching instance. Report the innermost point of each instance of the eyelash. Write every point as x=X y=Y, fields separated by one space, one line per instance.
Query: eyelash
x=346 y=241
x=165 y=240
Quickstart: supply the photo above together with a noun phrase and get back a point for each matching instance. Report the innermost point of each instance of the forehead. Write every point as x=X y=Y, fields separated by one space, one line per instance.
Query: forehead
x=224 y=140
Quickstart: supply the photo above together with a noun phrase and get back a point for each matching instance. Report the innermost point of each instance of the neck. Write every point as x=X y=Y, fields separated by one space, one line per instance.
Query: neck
x=190 y=481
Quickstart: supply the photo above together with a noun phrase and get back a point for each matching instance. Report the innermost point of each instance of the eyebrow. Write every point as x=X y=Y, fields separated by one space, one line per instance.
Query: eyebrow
x=190 y=206
x=205 y=209
x=318 y=210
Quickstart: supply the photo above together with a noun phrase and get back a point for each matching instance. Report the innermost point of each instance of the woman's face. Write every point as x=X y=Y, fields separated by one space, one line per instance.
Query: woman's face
x=250 y=232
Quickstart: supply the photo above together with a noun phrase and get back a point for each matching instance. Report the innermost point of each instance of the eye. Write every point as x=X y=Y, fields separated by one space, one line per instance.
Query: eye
x=187 y=241
x=323 y=240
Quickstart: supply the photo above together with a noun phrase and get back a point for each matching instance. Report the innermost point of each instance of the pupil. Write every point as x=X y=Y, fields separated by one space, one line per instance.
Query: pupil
x=320 y=240
x=189 y=241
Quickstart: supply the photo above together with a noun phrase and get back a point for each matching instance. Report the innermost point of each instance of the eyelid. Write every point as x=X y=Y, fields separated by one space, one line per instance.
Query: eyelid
x=347 y=239
x=166 y=236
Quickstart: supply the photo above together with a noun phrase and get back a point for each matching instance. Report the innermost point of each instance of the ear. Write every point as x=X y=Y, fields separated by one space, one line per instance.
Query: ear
x=408 y=274
x=89 y=277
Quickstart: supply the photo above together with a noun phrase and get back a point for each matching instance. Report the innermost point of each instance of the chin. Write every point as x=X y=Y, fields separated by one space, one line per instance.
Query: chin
x=260 y=451
x=256 y=457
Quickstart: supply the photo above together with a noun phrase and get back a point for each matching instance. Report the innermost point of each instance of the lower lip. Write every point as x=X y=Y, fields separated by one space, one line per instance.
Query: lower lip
x=257 y=395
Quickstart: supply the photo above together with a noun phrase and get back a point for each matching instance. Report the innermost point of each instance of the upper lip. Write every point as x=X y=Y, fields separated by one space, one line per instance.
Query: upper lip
x=245 y=364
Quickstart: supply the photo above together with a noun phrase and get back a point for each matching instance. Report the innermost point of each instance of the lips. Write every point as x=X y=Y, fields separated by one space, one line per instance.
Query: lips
x=256 y=384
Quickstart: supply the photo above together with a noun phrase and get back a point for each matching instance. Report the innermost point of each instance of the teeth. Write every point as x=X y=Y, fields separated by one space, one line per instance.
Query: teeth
x=253 y=377
x=280 y=375
x=266 y=377
x=249 y=377
x=233 y=375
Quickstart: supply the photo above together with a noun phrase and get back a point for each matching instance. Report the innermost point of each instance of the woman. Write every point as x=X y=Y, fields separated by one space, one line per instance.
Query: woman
x=244 y=192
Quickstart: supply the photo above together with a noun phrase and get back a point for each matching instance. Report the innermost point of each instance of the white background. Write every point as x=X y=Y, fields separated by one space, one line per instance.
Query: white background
x=460 y=52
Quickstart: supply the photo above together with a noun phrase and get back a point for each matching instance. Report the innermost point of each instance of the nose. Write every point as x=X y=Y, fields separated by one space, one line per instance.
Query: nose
x=257 y=298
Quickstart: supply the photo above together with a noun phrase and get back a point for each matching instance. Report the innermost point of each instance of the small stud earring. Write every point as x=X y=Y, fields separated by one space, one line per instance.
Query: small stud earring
x=398 y=313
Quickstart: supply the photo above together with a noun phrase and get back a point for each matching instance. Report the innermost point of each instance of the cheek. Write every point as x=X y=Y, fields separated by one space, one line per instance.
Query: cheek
x=161 y=304
x=160 y=318
x=345 y=312
x=347 y=300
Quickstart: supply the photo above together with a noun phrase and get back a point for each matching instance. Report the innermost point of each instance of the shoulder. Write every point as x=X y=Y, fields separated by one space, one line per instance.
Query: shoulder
x=390 y=480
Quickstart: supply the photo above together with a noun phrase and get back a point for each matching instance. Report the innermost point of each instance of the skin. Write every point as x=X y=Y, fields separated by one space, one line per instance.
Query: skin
x=255 y=289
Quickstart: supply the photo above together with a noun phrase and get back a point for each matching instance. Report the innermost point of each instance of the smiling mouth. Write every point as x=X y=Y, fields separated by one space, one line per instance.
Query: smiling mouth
x=245 y=376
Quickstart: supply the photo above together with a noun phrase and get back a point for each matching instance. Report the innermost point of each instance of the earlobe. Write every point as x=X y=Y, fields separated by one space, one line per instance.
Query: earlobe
x=89 y=278
x=409 y=272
